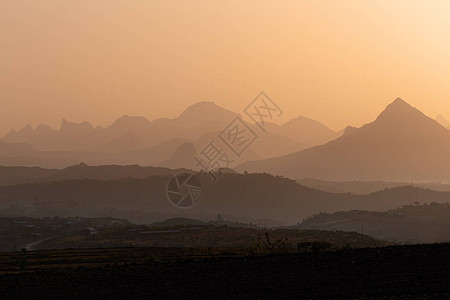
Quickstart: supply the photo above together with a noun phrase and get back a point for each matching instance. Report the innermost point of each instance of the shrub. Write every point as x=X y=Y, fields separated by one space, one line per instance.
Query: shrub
x=265 y=246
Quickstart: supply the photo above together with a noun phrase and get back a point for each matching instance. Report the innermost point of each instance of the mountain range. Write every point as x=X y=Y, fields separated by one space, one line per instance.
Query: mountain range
x=136 y=140
x=402 y=144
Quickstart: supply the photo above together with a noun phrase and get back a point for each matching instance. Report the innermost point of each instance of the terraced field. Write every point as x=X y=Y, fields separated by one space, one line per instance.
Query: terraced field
x=42 y=260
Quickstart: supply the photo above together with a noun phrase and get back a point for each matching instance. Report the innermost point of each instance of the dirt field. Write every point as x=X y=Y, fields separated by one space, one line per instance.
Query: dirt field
x=397 y=272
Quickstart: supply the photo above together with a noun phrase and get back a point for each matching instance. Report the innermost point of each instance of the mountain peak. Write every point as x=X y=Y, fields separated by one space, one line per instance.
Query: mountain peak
x=127 y=122
x=402 y=120
x=399 y=103
x=75 y=127
x=399 y=109
x=306 y=122
x=201 y=107
x=350 y=130
x=399 y=100
x=202 y=104
x=206 y=111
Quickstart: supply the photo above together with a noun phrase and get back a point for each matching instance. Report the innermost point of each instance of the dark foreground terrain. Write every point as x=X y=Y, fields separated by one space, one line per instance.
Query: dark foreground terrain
x=396 y=272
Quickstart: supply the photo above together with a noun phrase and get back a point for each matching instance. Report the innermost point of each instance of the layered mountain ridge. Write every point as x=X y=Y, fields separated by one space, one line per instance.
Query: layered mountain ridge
x=401 y=144
x=136 y=140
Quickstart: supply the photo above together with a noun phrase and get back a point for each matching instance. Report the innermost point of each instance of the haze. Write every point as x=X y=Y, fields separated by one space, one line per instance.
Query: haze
x=224 y=149
x=97 y=60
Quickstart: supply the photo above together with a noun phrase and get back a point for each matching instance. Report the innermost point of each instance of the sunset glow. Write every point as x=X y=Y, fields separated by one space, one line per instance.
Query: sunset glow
x=340 y=62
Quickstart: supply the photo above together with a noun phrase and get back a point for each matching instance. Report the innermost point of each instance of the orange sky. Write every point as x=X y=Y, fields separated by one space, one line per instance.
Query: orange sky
x=340 y=62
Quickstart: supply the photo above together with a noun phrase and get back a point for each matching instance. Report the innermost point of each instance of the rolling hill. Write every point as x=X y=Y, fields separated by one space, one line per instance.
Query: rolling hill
x=243 y=197
x=429 y=223
x=23 y=175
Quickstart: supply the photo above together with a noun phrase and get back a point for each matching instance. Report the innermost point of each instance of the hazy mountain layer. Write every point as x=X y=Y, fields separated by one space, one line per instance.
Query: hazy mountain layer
x=402 y=144
x=136 y=133
x=136 y=140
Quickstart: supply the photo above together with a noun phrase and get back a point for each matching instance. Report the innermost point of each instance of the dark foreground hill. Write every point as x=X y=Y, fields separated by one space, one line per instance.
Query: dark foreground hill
x=28 y=233
x=246 y=197
x=75 y=233
x=206 y=237
x=397 y=272
x=429 y=223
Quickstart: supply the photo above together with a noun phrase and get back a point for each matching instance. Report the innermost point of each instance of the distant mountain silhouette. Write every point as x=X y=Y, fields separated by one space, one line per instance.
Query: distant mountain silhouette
x=272 y=144
x=71 y=136
x=71 y=128
x=191 y=124
x=202 y=113
x=129 y=138
x=62 y=159
x=306 y=131
x=14 y=148
x=266 y=145
x=402 y=144
x=129 y=123
x=182 y=158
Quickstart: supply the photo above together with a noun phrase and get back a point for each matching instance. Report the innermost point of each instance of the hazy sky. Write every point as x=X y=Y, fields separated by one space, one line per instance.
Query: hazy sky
x=340 y=62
